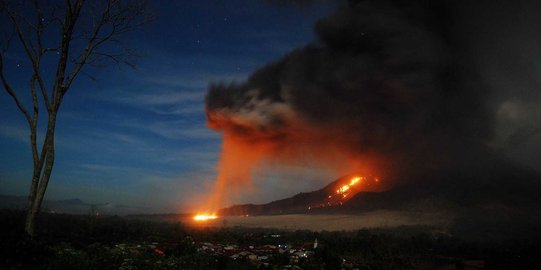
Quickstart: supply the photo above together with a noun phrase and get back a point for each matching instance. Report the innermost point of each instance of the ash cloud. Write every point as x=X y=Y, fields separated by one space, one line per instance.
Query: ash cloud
x=390 y=87
x=385 y=77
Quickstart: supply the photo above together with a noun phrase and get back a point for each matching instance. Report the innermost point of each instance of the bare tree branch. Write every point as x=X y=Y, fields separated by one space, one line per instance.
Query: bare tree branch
x=120 y=18
x=40 y=51
x=34 y=55
x=20 y=34
x=34 y=124
x=70 y=19
x=10 y=91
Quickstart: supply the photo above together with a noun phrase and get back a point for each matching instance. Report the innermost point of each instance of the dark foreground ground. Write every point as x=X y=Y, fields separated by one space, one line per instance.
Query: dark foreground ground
x=110 y=242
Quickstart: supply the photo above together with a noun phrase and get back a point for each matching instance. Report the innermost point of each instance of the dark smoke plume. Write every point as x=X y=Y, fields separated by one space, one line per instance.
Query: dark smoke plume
x=385 y=77
x=390 y=88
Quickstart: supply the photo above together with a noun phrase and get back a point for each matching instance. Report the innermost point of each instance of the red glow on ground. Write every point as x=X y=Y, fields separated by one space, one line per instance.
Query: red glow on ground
x=204 y=217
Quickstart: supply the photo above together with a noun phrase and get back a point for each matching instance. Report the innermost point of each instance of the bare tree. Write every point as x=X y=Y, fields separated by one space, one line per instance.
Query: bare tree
x=70 y=35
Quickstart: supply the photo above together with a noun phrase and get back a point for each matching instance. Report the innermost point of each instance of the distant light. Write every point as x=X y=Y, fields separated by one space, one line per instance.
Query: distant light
x=204 y=217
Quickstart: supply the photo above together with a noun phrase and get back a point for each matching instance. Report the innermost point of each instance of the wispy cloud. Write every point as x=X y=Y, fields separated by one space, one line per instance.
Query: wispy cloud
x=17 y=133
x=140 y=147
x=178 y=130
x=118 y=137
x=162 y=98
x=202 y=157
x=198 y=80
x=109 y=169
x=172 y=94
x=184 y=109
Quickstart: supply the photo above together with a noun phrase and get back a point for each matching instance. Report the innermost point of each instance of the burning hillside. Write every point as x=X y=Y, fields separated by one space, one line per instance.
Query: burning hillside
x=333 y=195
x=342 y=190
x=457 y=191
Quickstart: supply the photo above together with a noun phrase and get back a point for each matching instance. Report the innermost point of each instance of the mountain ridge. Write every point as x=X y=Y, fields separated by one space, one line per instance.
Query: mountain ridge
x=501 y=185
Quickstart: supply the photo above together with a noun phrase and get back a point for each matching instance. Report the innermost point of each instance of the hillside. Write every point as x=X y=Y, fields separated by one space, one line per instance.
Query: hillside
x=334 y=195
x=499 y=185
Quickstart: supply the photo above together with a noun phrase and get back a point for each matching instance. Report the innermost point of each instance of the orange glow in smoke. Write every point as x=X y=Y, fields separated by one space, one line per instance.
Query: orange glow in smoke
x=246 y=148
x=235 y=168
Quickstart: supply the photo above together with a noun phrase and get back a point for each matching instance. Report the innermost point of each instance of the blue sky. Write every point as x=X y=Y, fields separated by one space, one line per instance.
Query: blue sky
x=138 y=137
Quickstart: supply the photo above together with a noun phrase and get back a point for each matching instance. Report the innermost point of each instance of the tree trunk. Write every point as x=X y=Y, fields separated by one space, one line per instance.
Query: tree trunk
x=30 y=223
x=30 y=217
x=42 y=174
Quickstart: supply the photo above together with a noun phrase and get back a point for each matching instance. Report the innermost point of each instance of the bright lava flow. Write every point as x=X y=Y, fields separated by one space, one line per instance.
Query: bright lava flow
x=204 y=217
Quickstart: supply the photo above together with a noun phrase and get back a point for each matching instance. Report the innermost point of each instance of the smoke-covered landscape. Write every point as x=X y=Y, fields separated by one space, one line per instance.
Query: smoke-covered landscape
x=270 y=134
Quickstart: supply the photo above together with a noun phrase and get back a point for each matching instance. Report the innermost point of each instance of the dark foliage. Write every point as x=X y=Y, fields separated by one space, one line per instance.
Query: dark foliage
x=111 y=242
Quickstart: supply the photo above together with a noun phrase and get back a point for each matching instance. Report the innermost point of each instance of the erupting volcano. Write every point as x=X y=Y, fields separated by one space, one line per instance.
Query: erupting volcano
x=376 y=94
x=390 y=88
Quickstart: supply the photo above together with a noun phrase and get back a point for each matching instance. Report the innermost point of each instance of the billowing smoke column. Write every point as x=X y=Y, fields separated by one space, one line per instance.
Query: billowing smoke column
x=387 y=89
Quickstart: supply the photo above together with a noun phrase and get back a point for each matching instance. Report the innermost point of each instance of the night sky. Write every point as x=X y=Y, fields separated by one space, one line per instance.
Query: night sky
x=139 y=137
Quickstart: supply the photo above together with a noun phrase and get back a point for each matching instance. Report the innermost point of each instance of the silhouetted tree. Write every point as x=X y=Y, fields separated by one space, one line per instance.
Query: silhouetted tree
x=71 y=35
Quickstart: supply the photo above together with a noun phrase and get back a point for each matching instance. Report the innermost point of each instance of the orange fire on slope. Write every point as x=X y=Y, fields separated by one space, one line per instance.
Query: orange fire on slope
x=345 y=191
